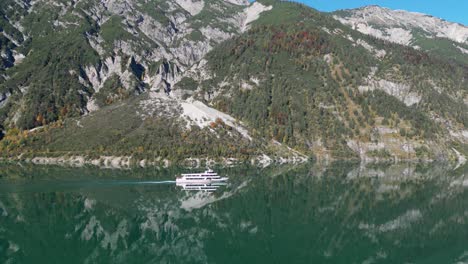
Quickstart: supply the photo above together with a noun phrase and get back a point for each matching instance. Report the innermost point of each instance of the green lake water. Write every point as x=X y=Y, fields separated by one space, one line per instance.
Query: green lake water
x=340 y=213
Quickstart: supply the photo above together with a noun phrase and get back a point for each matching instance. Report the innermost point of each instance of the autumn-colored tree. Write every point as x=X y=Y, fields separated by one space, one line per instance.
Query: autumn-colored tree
x=219 y=121
x=40 y=120
x=140 y=149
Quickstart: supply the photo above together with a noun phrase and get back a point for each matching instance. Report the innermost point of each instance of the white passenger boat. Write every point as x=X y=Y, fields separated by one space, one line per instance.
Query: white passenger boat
x=207 y=177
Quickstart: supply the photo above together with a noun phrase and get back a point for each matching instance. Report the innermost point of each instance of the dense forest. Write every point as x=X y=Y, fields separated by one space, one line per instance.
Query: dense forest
x=309 y=83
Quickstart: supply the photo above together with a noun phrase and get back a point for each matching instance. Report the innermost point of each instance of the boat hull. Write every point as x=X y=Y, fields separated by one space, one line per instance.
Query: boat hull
x=202 y=181
x=182 y=181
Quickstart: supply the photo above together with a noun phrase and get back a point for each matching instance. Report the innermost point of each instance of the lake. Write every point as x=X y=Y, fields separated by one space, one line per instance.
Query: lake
x=340 y=213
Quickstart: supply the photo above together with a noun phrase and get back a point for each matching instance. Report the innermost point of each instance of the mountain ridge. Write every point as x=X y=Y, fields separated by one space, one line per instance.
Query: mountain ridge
x=421 y=31
x=402 y=10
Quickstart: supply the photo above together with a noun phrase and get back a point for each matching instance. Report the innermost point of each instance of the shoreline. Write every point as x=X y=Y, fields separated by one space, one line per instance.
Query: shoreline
x=261 y=161
x=128 y=162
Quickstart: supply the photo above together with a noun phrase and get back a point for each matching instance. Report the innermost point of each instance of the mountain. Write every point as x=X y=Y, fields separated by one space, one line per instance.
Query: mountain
x=420 y=31
x=149 y=81
x=69 y=59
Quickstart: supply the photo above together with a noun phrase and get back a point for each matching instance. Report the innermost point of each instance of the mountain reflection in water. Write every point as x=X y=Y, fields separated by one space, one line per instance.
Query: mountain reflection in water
x=343 y=213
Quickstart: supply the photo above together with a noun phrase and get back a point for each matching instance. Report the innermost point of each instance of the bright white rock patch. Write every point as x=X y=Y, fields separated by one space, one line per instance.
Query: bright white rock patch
x=460 y=135
x=460 y=158
x=394 y=24
x=18 y=57
x=238 y=2
x=252 y=13
x=402 y=222
x=193 y=7
x=399 y=35
x=202 y=115
x=465 y=51
x=399 y=90
x=4 y=99
x=378 y=53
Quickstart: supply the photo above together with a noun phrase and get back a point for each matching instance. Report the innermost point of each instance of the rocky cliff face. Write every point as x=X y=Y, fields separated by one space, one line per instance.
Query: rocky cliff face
x=417 y=30
x=382 y=22
x=147 y=45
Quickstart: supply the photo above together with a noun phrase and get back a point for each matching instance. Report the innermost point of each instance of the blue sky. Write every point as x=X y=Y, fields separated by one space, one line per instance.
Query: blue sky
x=451 y=10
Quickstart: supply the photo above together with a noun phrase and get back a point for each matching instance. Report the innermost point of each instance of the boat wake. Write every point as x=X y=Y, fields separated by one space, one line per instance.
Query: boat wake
x=144 y=182
x=158 y=182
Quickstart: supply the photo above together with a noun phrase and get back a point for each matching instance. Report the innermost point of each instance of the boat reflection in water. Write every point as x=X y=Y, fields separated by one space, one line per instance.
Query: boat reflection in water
x=208 y=181
x=211 y=187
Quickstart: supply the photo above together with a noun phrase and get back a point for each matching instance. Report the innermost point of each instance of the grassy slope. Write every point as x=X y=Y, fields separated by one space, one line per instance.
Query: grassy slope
x=119 y=130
